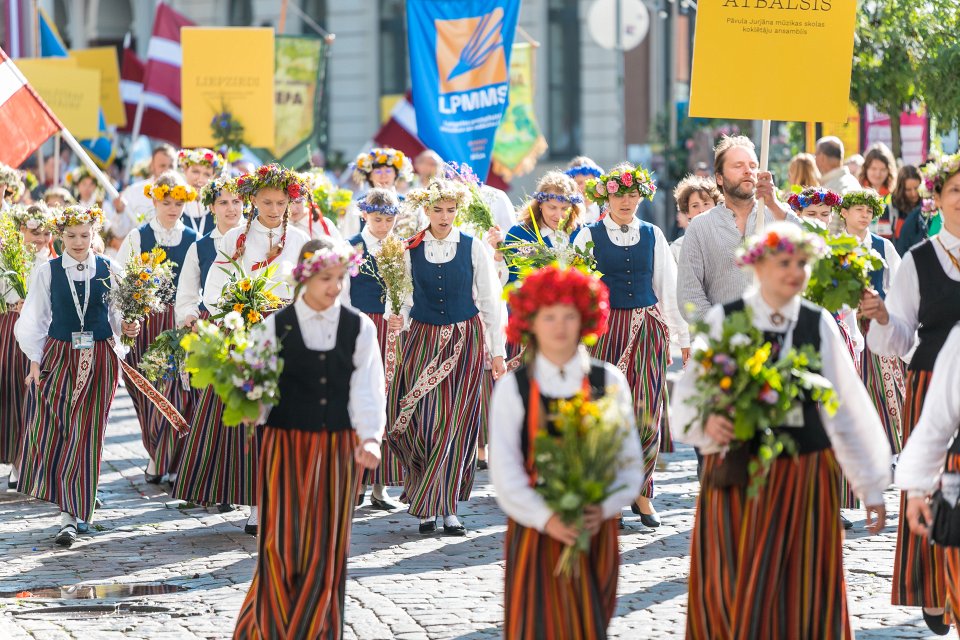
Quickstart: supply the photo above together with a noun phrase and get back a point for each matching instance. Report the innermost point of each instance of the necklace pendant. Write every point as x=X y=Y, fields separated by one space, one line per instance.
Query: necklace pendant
x=777 y=318
x=81 y=267
x=624 y=228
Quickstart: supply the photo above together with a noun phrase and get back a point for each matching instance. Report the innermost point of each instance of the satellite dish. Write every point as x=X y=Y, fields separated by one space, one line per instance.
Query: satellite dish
x=634 y=23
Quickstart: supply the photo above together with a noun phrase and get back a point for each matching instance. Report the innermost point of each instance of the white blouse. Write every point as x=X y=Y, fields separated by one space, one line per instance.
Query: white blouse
x=920 y=464
x=855 y=431
x=513 y=491
x=257 y=244
x=189 y=288
x=664 y=270
x=9 y=295
x=165 y=238
x=197 y=218
x=33 y=325
x=487 y=291
x=367 y=404
x=897 y=337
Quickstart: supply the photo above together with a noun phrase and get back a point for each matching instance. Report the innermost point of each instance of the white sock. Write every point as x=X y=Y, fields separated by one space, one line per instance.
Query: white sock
x=151 y=468
x=450 y=521
x=253 y=516
x=426 y=520
x=14 y=474
x=173 y=478
x=379 y=492
x=66 y=518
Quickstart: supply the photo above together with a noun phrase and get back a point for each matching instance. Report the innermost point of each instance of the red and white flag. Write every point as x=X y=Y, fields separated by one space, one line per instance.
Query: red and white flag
x=161 y=119
x=26 y=122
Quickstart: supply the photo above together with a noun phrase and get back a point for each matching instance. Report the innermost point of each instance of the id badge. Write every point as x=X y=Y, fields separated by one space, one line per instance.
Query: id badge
x=82 y=339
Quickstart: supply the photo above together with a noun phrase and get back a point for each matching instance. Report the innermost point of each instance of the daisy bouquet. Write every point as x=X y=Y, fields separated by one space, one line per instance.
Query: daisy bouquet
x=250 y=296
x=145 y=287
x=163 y=359
x=240 y=362
x=16 y=260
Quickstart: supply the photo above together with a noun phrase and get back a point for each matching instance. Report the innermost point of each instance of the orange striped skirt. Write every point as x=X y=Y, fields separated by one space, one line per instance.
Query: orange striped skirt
x=770 y=567
x=951 y=557
x=308 y=486
x=540 y=606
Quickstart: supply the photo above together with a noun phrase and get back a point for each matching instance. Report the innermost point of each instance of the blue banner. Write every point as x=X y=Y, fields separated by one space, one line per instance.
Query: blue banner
x=459 y=67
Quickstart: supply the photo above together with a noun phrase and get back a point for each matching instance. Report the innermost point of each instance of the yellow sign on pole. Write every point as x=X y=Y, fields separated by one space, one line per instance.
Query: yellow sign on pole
x=71 y=92
x=847 y=130
x=216 y=80
x=739 y=42
x=104 y=59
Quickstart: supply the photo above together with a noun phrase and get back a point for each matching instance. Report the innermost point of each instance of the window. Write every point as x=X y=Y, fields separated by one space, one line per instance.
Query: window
x=563 y=78
x=394 y=73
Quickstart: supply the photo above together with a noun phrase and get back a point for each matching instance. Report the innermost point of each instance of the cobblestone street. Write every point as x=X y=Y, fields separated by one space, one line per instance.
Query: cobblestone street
x=400 y=585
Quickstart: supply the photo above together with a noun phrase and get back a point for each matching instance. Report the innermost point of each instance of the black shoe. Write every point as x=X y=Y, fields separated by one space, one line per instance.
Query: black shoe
x=636 y=509
x=67 y=535
x=650 y=520
x=12 y=484
x=383 y=505
x=225 y=507
x=428 y=527
x=455 y=530
x=847 y=525
x=623 y=525
x=149 y=479
x=250 y=529
x=481 y=465
x=360 y=496
x=936 y=623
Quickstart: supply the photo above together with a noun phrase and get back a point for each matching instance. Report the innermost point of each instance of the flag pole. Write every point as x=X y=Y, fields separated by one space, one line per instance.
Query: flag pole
x=764 y=166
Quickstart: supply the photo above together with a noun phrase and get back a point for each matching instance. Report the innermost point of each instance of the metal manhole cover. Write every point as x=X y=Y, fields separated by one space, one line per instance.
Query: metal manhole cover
x=93 y=611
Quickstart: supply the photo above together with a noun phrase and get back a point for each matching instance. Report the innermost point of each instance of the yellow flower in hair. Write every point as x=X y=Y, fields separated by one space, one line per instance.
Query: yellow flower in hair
x=382 y=159
x=398 y=163
x=148 y=190
x=308 y=255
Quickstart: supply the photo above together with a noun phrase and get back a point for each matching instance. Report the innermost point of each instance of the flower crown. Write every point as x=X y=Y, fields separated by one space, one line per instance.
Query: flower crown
x=316 y=261
x=379 y=157
x=928 y=207
x=272 y=176
x=206 y=157
x=10 y=178
x=785 y=238
x=867 y=197
x=620 y=182
x=812 y=196
x=552 y=285
x=936 y=173
x=437 y=191
x=35 y=216
x=591 y=170
x=543 y=196
x=211 y=191
x=74 y=177
x=180 y=193
x=75 y=215
x=385 y=209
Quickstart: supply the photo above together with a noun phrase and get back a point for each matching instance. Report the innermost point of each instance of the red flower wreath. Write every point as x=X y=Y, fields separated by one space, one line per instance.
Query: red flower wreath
x=555 y=285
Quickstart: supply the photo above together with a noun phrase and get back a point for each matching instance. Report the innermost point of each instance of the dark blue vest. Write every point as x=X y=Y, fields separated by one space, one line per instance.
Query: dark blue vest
x=366 y=292
x=876 y=277
x=627 y=271
x=65 y=320
x=177 y=254
x=209 y=222
x=206 y=255
x=443 y=293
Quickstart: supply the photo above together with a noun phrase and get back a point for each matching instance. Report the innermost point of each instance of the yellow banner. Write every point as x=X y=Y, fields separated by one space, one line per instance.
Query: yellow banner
x=848 y=131
x=104 y=60
x=739 y=43
x=71 y=92
x=216 y=80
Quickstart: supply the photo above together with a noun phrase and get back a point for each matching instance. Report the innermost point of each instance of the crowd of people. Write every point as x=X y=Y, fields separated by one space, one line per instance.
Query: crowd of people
x=501 y=318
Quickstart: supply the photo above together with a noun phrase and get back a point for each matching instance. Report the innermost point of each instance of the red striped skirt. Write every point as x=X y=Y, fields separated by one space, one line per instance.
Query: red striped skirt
x=884 y=379
x=638 y=342
x=150 y=328
x=539 y=606
x=438 y=445
x=166 y=444
x=63 y=445
x=14 y=366
x=307 y=492
x=486 y=391
x=918 y=578
x=951 y=558
x=770 y=567
x=390 y=471
x=219 y=463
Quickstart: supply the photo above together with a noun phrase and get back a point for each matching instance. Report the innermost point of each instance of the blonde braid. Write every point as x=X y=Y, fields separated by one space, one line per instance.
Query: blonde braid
x=278 y=248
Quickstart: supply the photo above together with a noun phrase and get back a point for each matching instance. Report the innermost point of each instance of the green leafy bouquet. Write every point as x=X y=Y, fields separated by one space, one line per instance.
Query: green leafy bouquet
x=251 y=296
x=742 y=379
x=476 y=214
x=163 y=359
x=241 y=365
x=840 y=278
x=578 y=468
x=16 y=260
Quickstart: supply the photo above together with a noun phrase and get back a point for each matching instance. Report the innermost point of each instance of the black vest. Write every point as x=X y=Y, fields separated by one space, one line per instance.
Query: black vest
x=812 y=436
x=939 y=306
x=314 y=385
x=598 y=384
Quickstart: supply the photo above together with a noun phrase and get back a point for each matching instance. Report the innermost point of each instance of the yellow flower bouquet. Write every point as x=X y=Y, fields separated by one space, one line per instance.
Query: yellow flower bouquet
x=251 y=296
x=145 y=287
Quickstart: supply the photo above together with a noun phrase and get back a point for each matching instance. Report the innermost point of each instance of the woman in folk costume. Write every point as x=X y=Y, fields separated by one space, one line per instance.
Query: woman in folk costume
x=217 y=466
x=634 y=258
x=166 y=230
x=930 y=461
x=36 y=227
x=307 y=216
x=381 y=168
x=553 y=310
x=66 y=328
x=326 y=428
x=367 y=293
x=750 y=550
x=581 y=169
x=199 y=167
x=11 y=186
x=928 y=307
x=455 y=308
x=883 y=377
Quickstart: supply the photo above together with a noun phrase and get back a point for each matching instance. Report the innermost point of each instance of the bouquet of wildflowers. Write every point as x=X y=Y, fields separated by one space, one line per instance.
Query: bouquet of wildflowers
x=526 y=257
x=332 y=201
x=242 y=364
x=578 y=468
x=163 y=359
x=146 y=287
x=392 y=272
x=841 y=277
x=743 y=379
x=476 y=214
x=250 y=296
x=16 y=260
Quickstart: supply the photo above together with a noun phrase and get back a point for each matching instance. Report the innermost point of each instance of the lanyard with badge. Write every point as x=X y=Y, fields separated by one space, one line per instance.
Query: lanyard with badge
x=81 y=339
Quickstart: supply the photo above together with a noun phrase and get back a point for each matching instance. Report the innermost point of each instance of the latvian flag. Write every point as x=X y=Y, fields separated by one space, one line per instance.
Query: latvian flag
x=25 y=120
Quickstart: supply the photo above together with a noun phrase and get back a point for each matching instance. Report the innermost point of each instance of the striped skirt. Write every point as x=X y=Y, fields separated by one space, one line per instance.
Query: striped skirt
x=951 y=558
x=884 y=379
x=390 y=471
x=770 y=567
x=848 y=499
x=307 y=491
x=150 y=328
x=166 y=444
x=219 y=463
x=436 y=437
x=539 y=606
x=14 y=366
x=63 y=445
x=638 y=342
x=486 y=391
x=918 y=579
